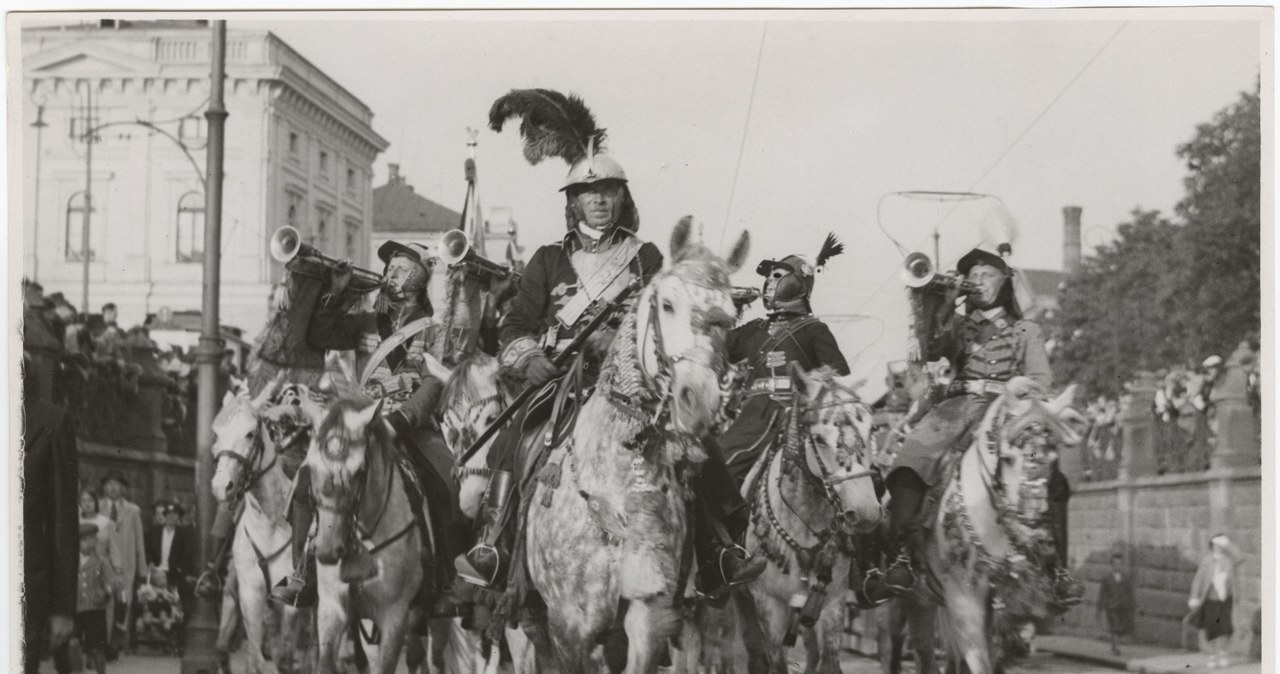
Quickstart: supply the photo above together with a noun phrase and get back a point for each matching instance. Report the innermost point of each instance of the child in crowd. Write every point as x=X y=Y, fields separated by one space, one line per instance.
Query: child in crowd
x=1116 y=599
x=161 y=616
x=92 y=594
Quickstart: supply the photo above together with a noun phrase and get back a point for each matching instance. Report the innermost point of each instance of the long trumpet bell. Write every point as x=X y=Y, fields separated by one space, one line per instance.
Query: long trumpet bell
x=918 y=272
x=286 y=245
x=455 y=249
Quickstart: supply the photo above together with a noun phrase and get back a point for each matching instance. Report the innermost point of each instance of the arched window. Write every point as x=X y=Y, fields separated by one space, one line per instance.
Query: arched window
x=75 y=228
x=190 y=238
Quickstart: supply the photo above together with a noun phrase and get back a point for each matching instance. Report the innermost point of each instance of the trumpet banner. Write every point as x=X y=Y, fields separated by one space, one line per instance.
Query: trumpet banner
x=282 y=346
x=469 y=318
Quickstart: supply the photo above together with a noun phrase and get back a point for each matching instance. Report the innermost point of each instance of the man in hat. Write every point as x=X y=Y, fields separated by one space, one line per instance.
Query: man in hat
x=987 y=342
x=563 y=287
x=168 y=547
x=50 y=522
x=391 y=344
x=130 y=537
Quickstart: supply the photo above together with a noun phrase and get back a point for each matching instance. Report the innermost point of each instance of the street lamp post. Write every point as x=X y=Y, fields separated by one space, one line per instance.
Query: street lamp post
x=39 y=125
x=201 y=656
x=88 y=191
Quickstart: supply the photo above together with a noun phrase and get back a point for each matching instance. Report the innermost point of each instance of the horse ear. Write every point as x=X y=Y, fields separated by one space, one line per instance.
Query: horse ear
x=373 y=411
x=680 y=237
x=738 y=256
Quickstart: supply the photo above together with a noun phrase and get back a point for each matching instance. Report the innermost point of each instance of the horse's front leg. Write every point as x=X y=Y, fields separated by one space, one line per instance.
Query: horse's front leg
x=523 y=657
x=772 y=616
x=253 y=610
x=649 y=624
x=827 y=636
x=393 y=624
x=331 y=617
x=968 y=617
x=924 y=624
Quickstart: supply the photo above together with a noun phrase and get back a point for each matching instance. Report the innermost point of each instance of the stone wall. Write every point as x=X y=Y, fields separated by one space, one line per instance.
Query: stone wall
x=1162 y=523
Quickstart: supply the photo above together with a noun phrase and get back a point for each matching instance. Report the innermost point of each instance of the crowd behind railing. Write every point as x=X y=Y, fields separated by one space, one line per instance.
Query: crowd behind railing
x=1184 y=412
x=114 y=382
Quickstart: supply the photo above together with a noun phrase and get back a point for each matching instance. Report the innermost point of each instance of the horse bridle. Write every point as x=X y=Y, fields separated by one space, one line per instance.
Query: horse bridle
x=358 y=531
x=465 y=440
x=248 y=475
x=699 y=355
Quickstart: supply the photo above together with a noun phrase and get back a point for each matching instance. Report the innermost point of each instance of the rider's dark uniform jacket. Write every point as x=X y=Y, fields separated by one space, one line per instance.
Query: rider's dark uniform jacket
x=808 y=343
x=549 y=281
x=985 y=348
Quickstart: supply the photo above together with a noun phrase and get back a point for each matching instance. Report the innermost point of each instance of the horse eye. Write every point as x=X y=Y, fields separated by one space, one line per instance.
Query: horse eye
x=668 y=307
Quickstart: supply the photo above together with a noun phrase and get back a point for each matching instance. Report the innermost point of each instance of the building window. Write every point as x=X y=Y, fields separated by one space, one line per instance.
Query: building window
x=324 y=163
x=351 y=181
x=322 y=229
x=75 y=228
x=353 y=239
x=293 y=208
x=293 y=143
x=192 y=128
x=191 y=228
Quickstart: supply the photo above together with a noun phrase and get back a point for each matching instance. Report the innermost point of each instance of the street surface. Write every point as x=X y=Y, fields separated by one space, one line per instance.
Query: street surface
x=1042 y=663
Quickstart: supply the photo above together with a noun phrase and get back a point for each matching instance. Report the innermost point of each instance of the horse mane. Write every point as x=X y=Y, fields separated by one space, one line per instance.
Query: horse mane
x=461 y=387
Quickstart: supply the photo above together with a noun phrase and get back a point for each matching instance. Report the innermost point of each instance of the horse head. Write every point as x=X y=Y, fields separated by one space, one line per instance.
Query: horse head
x=339 y=459
x=237 y=445
x=471 y=400
x=1023 y=434
x=839 y=448
x=682 y=319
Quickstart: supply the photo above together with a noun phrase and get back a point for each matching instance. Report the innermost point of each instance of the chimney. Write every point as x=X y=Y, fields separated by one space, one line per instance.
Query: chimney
x=394 y=177
x=1071 y=239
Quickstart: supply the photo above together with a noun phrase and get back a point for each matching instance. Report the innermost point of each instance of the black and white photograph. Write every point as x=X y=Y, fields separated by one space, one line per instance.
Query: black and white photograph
x=699 y=341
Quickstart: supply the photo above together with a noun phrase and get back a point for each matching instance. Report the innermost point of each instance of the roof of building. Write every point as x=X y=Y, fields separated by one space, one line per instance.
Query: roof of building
x=397 y=208
x=1044 y=282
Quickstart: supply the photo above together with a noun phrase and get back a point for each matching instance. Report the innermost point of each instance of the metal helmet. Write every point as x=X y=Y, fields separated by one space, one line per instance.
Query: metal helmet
x=592 y=169
x=793 y=278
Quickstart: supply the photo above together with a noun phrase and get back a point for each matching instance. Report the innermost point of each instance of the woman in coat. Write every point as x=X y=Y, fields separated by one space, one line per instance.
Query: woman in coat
x=1212 y=595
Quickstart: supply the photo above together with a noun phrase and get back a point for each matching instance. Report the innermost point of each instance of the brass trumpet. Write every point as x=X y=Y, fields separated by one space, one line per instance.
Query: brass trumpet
x=286 y=244
x=918 y=272
x=455 y=249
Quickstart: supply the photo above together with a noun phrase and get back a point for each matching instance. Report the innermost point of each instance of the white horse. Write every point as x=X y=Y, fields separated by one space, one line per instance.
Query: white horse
x=248 y=466
x=471 y=401
x=614 y=530
x=987 y=543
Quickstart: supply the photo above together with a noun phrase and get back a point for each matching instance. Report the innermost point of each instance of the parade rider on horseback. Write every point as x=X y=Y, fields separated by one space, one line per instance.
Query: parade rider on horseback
x=987 y=342
x=562 y=288
x=390 y=344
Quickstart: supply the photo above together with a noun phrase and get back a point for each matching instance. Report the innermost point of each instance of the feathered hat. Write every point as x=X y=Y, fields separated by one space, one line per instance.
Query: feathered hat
x=556 y=125
x=800 y=268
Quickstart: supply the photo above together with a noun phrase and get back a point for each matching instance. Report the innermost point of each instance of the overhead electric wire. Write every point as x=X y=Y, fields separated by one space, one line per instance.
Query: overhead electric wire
x=1011 y=146
x=746 y=127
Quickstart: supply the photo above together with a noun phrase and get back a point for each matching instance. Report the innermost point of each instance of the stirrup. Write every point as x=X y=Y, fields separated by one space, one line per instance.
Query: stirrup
x=209 y=586
x=875 y=589
x=894 y=577
x=289 y=590
x=468 y=572
x=751 y=569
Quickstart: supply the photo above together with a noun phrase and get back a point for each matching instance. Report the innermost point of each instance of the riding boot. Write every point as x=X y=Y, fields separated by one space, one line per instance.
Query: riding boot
x=298 y=589
x=485 y=563
x=723 y=563
x=908 y=492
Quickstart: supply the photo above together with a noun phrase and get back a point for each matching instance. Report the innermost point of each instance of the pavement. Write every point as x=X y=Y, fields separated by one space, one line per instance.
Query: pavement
x=1138 y=658
x=1055 y=654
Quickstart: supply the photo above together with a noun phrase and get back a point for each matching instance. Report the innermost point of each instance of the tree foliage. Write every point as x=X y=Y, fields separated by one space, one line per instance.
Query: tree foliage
x=1169 y=293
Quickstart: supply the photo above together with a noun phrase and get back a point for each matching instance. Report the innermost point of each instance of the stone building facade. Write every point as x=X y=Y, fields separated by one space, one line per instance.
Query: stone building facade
x=299 y=151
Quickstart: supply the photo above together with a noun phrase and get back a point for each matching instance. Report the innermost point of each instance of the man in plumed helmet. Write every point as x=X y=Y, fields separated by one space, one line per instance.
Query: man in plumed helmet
x=563 y=287
x=987 y=342
x=391 y=345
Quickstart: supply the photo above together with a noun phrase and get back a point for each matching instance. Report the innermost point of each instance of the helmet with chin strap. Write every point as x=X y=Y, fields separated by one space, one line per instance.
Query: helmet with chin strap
x=593 y=168
x=792 y=277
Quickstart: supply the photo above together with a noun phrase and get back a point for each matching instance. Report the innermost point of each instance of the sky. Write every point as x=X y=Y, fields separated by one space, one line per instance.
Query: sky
x=794 y=124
